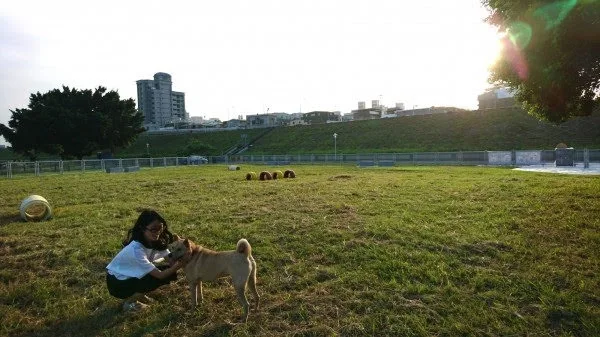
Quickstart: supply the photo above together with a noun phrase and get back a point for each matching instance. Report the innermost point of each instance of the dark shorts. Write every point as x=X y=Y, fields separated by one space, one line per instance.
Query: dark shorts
x=125 y=288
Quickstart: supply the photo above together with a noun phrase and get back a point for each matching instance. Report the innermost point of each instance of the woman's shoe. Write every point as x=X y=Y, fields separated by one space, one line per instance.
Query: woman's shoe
x=134 y=306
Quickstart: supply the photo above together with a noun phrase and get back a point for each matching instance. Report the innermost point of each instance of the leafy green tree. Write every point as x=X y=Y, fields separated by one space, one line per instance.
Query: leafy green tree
x=72 y=123
x=551 y=55
x=122 y=123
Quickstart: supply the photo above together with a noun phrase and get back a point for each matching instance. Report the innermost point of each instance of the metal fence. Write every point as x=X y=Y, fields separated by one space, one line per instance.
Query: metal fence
x=581 y=158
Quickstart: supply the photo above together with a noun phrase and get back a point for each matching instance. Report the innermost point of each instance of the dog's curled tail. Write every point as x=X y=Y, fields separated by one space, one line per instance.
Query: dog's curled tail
x=243 y=247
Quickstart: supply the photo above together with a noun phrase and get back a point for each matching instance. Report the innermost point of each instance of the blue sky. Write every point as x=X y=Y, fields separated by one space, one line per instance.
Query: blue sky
x=235 y=57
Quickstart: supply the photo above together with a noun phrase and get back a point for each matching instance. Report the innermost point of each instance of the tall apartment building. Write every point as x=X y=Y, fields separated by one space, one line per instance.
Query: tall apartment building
x=159 y=104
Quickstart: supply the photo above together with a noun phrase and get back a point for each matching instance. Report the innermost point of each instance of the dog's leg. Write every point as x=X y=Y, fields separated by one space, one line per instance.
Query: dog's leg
x=201 y=293
x=240 y=289
x=252 y=282
x=194 y=293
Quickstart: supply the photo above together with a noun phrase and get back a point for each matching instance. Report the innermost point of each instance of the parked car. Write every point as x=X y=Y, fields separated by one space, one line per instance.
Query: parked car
x=197 y=160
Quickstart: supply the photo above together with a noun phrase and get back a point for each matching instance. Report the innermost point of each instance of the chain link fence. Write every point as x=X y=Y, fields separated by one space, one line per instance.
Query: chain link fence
x=581 y=158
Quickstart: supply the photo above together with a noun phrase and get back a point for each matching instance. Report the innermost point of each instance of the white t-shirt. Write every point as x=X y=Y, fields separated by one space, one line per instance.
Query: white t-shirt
x=134 y=260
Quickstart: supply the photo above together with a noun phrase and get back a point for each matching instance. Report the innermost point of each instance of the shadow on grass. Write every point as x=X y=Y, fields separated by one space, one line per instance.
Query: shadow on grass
x=223 y=329
x=5 y=219
x=91 y=325
x=108 y=319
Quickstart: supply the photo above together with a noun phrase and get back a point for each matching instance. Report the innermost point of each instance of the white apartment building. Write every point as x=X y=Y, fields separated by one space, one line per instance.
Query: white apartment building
x=159 y=104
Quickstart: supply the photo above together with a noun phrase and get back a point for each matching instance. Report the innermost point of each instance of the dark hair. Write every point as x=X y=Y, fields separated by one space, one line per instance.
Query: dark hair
x=137 y=232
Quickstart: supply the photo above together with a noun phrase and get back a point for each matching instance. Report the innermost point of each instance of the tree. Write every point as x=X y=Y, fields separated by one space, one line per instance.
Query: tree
x=551 y=55
x=72 y=123
x=121 y=120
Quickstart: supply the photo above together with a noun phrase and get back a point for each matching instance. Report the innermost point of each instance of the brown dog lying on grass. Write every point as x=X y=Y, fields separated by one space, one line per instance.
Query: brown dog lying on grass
x=207 y=265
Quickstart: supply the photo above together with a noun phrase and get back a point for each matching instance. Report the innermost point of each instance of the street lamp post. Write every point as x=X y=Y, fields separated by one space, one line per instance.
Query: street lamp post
x=335 y=147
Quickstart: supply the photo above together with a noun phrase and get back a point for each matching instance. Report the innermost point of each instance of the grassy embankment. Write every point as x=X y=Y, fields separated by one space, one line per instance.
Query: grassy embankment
x=414 y=251
x=462 y=131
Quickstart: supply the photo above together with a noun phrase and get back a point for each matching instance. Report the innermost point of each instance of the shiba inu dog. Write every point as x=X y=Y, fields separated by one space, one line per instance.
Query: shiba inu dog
x=207 y=265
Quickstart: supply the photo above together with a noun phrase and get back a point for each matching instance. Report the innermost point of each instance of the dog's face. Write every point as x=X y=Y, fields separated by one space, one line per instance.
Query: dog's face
x=179 y=248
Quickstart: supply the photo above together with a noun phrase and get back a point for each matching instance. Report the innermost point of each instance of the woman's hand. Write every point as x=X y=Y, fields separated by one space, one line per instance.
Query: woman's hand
x=177 y=264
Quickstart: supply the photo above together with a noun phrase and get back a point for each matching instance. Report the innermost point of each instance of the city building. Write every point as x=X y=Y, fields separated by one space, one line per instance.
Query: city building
x=159 y=104
x=318 y=117
x=363 y=113
x=295 y=122
x=261 y=121
x=394 y=112
x=196 y=120
x=235 y=124
x=497 y=98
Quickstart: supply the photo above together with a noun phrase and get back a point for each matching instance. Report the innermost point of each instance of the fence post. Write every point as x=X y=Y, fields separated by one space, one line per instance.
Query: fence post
x=60 y=167
x=137 y=162
x=164 y=161
x=9 y=170
x=586 y=158
x=82 y=165
x=36 y=168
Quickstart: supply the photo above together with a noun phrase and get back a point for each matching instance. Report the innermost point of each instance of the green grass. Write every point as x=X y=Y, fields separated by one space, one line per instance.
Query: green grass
x=502 y=129
x=166 y=145
x=404 y=251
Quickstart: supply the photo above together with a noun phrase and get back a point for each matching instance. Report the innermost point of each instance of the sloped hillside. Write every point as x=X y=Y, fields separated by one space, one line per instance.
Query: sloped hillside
x=505 y=129
x=502 y=129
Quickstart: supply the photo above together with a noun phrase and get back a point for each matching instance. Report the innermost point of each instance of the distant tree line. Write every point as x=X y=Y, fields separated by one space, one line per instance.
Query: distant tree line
x=73 y=123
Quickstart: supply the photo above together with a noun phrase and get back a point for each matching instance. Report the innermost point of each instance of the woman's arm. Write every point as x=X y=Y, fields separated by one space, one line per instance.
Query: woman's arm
x=167 y=272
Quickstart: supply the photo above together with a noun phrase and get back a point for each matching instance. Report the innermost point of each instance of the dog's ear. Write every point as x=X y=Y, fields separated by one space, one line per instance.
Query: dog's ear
x=186 y=243
x=176 y=237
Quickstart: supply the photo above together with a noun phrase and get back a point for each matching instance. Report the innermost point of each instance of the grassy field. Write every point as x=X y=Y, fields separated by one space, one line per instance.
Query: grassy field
x=404 y=251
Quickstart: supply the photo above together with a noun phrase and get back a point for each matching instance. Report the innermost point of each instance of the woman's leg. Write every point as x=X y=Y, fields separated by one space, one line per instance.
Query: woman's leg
x=133 y=290
x=148 y=283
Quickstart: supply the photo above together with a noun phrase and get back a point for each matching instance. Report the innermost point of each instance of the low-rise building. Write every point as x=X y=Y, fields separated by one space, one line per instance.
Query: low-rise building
x=363 y=113
x=235 y=124
x=366 y=114
x=319 y=117
x=497 y=98
x=295 y=122
x=261 y=120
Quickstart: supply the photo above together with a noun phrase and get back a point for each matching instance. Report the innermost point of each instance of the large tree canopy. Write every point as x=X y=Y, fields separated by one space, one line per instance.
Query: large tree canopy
x=72 y=123
x=551 y=54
